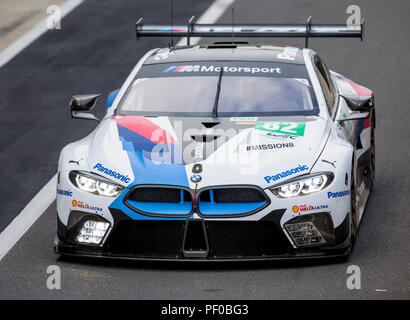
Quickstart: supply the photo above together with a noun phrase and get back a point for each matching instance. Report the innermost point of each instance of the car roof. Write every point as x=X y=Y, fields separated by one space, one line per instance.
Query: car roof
x=228 y=52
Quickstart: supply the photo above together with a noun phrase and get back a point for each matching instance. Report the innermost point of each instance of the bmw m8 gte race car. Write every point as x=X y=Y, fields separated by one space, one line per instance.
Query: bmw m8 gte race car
x=225 y=151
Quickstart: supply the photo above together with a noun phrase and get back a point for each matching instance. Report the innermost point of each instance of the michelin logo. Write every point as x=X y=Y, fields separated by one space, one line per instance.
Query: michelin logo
x=338 y=194
x=286 y=173
x=199 y=68
x=111 y=173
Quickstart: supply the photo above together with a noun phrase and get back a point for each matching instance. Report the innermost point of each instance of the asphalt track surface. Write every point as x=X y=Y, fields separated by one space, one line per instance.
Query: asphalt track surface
x=94 y=52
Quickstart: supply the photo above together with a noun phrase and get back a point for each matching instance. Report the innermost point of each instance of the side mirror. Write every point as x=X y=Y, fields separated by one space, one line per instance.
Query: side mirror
x=359 y=103
x=356 y=108
x=111 y=98
x=81 y=103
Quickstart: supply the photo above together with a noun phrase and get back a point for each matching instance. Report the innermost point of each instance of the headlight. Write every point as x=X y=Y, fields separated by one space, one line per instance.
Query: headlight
x=95 y=184
x=303 y=186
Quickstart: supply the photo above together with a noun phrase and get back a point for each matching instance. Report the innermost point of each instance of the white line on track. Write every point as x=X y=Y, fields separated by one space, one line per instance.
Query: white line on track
x=45 y=197
x=27 y=216
x=25 y=40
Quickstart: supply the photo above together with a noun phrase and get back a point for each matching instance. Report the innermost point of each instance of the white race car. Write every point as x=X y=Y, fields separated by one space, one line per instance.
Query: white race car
x=220 y=152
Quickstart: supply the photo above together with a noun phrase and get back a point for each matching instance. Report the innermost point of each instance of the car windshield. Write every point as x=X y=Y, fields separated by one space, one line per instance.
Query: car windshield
x=246 y=88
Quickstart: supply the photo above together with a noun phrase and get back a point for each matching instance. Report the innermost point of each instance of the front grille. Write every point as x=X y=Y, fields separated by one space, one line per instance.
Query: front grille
x=232 y=195
x=170 y=201
x=155 y=194
x=160 y=201
x=231 y=201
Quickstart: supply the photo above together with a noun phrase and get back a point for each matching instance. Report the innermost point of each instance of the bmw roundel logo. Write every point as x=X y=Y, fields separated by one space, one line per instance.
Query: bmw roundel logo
x=196 y=178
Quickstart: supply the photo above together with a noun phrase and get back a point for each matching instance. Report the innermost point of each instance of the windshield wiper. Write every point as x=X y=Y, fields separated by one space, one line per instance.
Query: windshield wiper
x=218 y=90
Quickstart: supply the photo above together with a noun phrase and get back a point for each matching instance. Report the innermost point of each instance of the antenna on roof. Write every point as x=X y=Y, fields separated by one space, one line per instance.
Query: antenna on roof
x=308 y=28
x=233 y=27
x=172 y=26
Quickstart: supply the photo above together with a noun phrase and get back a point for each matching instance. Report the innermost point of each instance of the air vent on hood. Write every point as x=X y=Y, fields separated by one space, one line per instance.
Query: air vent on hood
x=210 y=124
x=204 y=137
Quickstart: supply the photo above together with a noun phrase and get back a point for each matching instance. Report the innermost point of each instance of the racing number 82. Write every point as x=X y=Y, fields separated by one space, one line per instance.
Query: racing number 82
x=295 y=128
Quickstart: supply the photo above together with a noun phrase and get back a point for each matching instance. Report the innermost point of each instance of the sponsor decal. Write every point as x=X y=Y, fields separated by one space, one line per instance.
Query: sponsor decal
x=231 y=69
x=305 y=208
x=197 y=168
x=279 y=136
x=112 y=173
x=295 y=209
x=286 y=173
x=77 y=162
x=338 y=194
x=322 y=206
x=244 y=120
x=95 y=208
x=248 y=123
x=196 y=178
x=83 y=205
x=67 y=193
x=183 y=68
x=330 y=162
x=270 y=146
x=292 y=128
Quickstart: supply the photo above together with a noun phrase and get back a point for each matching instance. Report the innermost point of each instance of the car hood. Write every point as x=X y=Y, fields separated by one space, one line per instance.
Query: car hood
x=188 y=150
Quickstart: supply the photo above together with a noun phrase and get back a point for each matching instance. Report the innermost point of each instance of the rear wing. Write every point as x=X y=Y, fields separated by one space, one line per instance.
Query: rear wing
x=307 y=30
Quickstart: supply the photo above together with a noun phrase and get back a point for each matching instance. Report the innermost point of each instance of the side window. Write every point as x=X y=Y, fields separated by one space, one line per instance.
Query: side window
x=325 y=82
